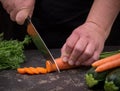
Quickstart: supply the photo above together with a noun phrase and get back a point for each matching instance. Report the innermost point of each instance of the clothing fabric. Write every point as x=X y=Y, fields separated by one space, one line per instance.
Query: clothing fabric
x=55 y=20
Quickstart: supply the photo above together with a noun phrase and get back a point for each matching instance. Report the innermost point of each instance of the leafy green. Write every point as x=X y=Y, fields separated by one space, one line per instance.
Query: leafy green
x=12 y=52
x=90 y=80
x=95 y=79
x=110 y=86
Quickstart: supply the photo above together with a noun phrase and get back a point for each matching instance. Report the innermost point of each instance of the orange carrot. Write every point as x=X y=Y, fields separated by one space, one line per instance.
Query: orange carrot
x=41 y=70
x=50 y=67
x=32 y=70
x=108 y=65
x=107 y=59
x=21 y=70
x=61 y=65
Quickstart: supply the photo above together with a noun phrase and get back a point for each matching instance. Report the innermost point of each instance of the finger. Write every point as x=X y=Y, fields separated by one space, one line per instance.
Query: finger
x=69 y=45
x=78 y=50
x=88 y=53
x=88 y=62
x=22 y=15
x=64 y=55
x=67 y=50
x=92 y=59
x=12 y=15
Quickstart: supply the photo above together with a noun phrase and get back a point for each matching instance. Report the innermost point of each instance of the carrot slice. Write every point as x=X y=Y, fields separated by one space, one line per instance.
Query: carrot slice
x=108 y=65
x=20 y=70
x=28 y=70
x=33 y=70
x=107 y=59
x=41 y=70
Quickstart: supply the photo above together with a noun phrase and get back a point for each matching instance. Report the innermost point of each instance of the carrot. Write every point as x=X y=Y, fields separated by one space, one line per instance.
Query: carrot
x=61 y=65
x=32 y=70
x=41 y=70
x=108 y=65
x=107 y=59
x=50 y=67
x=20 y=70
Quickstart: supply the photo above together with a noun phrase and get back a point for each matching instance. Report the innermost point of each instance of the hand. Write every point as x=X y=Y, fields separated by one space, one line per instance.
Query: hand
x=84 y=45
x=18 y=9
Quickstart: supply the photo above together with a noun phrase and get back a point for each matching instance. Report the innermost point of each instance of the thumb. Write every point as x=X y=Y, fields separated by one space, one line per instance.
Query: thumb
x=22 y=15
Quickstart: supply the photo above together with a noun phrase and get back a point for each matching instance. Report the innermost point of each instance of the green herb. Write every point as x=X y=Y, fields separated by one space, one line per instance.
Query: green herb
x=90 y=80
x=12 y=52
x=110 y=86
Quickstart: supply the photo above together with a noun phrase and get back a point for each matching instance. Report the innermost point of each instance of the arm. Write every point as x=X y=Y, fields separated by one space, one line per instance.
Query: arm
x=103 y=13
x=86 y=42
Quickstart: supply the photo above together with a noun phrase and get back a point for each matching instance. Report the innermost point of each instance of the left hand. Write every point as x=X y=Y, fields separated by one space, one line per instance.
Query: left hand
x=84 y=45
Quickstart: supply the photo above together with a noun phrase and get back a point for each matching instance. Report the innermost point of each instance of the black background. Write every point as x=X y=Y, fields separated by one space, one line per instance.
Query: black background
x=55 y=36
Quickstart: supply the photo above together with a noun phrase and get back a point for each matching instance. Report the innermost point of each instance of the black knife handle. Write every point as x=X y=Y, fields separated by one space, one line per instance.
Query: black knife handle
x=27 y=21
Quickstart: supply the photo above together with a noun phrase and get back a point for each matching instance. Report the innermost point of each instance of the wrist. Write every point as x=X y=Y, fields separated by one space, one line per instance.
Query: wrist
x=98 y=28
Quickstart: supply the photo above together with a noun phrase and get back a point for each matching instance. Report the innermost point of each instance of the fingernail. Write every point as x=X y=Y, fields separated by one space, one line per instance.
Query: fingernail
x=77 y=63
x=65 y=59
x=71 y=62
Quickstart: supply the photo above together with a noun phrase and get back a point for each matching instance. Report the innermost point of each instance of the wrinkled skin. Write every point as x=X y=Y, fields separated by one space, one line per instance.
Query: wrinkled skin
x=19 y=9
x=84 y=45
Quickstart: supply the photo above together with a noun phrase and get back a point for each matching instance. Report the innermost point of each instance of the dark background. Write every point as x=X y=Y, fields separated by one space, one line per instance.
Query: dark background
x=52 y=38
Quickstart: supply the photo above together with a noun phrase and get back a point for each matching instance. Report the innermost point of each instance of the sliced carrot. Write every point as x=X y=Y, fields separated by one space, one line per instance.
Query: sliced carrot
x=61 y=65
x=108 y=65
x=50 y=67
x=32 y=70
x=28 y=70
x=20 y=70
x=41 y=70
x=107 y=59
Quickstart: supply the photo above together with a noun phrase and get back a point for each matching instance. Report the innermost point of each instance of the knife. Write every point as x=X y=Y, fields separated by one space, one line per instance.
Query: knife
x=39 y=43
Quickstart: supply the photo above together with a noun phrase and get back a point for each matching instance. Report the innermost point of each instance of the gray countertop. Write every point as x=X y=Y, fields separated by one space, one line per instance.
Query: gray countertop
x=67 y=80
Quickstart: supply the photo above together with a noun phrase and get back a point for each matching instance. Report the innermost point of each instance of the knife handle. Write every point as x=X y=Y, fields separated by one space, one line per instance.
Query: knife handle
x=27 y=21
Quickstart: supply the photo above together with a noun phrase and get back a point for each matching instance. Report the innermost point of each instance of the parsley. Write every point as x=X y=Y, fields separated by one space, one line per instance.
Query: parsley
x=12 y=52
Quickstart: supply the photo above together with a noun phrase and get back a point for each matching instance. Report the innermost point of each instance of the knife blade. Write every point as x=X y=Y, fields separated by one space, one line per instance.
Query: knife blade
x=39 y=43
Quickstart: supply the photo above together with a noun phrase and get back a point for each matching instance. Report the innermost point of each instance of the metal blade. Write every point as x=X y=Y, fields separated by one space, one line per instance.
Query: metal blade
x=38 y=41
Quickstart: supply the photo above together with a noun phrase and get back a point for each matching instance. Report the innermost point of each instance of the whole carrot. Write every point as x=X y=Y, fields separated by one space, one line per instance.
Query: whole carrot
x=107 y=59
x=108 y=65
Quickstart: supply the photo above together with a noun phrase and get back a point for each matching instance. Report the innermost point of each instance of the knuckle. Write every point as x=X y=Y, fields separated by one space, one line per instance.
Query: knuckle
x=88 y=54
x=69 y=46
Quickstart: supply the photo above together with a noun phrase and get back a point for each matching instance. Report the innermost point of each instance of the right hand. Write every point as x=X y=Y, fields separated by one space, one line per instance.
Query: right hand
x=19 y=10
